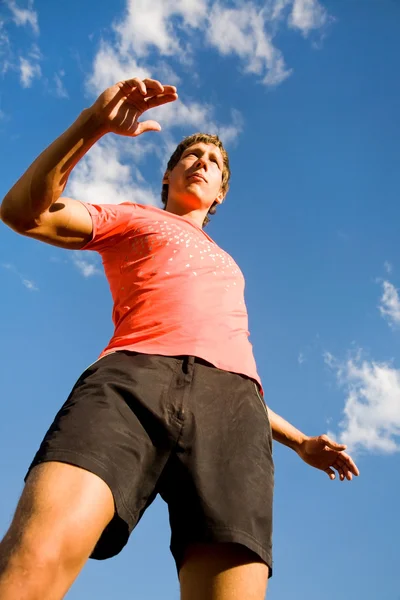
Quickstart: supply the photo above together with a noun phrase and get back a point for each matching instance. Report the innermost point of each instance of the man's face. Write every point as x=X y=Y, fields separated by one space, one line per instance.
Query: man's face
x=195 y=182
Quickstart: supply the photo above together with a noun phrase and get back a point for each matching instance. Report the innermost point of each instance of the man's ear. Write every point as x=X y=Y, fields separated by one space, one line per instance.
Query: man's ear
x=220 y=197
x=166 y=178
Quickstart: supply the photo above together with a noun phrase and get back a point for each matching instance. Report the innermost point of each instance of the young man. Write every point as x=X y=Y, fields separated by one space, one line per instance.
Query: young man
x=173 y=405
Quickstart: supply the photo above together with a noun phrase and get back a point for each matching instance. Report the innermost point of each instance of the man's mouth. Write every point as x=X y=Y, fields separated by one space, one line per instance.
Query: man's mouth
x=197 y=177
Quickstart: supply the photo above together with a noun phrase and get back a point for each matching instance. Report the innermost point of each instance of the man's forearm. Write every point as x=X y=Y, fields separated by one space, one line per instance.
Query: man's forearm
x=284 y=432
x=44 y=181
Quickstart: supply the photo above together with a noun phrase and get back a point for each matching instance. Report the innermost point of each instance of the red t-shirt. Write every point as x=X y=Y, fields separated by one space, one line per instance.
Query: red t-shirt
x=175 y=291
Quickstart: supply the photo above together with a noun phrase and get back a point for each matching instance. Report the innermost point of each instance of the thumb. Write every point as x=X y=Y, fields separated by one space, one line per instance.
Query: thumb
x=331 y=444
x=144 y=126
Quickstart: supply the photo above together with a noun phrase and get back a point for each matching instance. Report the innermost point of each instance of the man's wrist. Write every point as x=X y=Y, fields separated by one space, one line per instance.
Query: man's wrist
x=95 y=121
x=299 y=443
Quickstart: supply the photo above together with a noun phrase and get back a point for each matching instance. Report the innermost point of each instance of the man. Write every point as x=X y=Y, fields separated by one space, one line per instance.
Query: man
x=174 y=404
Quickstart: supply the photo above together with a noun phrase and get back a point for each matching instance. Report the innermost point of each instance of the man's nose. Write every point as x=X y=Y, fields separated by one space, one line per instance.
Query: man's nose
x=201 y=163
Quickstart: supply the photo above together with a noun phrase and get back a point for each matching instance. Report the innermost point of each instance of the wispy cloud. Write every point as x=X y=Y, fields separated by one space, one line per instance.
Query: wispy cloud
x=242 y=31
x=245 y=29
x=301 y=358
x=29 y=69
x=307 y=15
x=371 y=415
x=389 y=305
x=110 y=66
x=24 y=16
x=5 y=49
x=102 y=178
x=388 y=267
x=59 y=89
x=87 y=264
x=28 y=66
x=159 y=25
x=28 y=283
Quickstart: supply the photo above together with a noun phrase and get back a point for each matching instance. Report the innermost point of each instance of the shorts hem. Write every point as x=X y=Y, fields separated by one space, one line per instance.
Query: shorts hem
x=224 y=535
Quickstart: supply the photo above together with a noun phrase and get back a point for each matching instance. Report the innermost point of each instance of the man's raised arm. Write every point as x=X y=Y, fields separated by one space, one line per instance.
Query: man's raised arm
x=320 y=452
x=34 y=206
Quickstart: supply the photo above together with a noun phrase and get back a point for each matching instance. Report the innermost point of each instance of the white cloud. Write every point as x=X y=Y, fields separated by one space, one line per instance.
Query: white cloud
x=197 y=117
x=102 y=178
x=28 y=283
x=29 y=68
x=388 y=266
x=389 y=306
x=372 y=408
x=87 y=264
x=60 y=90
x=5 y=49
x=109 y=67
x=301 y=358
x=307 y=15
x=169 y=26
x=28 y=71
x=24 y=16
x=230 y=133
x=242 y=31
x=276 y=8
x=166 y=73
x=149 y=25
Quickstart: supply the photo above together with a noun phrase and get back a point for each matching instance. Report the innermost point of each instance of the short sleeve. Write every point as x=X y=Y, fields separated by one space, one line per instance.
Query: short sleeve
x=110 y=221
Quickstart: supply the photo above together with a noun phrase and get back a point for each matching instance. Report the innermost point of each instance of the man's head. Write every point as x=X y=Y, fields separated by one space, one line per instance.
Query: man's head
x=197 y=175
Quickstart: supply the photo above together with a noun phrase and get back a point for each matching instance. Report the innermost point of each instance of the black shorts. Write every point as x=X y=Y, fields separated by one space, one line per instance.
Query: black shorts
x=177 y=426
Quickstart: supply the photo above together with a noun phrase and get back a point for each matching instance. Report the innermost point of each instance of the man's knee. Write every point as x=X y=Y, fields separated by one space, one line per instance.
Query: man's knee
x=24 y=552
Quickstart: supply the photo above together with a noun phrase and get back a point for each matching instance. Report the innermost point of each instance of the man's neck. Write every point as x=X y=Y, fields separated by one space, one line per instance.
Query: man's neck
x=196 y=215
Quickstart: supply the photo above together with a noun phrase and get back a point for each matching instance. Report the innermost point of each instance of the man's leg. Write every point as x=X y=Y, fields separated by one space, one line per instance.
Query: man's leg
x=61 y=514
x=222 y=571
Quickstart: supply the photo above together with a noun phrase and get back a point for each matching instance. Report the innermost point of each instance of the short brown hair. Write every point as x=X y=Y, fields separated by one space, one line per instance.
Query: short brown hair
x=176 y=156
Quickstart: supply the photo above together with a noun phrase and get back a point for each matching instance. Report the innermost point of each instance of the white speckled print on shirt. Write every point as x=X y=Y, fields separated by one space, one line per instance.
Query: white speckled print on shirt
x=175 y=291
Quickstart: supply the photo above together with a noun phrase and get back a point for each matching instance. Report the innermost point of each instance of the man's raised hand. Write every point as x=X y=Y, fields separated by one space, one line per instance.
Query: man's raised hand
x=323 y=453
x=120 y=106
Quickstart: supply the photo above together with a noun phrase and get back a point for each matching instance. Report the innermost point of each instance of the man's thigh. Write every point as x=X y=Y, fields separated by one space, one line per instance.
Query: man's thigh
x=222 y=572
x=62 y=506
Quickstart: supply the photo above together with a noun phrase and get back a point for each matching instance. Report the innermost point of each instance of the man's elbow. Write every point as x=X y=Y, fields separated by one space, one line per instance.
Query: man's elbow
x=11 y=217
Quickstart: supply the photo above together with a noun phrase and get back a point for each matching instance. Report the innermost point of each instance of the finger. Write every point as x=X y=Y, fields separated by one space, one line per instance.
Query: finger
x=168 y=90
x=147 y=126
x=128 y=84
x=154 y=87
x=346 y=469
x=348 y=473
x=331 y=444
x=160 y=100
x=331 y=473
x=339 y=468
x=349 y=462
x=153 y=84
x=340 y=471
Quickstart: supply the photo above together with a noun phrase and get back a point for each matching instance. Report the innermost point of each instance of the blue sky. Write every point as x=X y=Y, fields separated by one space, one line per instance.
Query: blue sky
x=305 y=94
